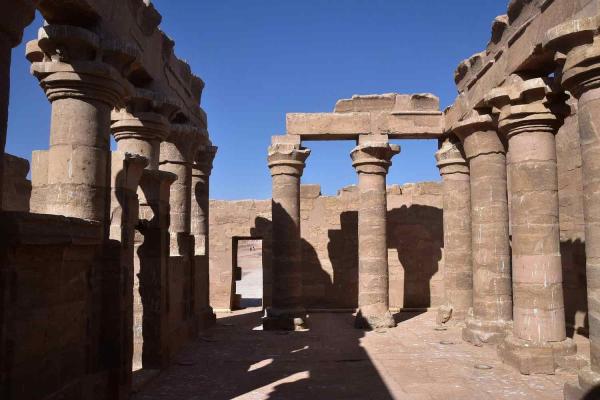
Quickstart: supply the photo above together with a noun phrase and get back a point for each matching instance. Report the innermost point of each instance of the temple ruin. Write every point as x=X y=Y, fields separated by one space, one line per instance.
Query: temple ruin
x=116 y=263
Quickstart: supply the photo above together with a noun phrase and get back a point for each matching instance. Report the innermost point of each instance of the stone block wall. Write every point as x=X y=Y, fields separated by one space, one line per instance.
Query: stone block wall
x=329 y=246
x=47 y=280
x=17 y=188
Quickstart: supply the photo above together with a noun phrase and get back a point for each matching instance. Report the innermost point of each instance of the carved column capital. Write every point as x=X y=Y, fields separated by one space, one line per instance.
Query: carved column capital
x=182 y=144
x=478 y=135
x=287 y=159
x=579 y=41
x=450 y=158
x=203 y=161
x=528 y=105
x=373 y=158
x=68 y=61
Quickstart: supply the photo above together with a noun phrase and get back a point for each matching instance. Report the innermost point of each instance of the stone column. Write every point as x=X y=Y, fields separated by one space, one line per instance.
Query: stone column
x=578 y=40
x=14 y=17
x=286 y=162
x=492 y=296
x=372 y=161
x=176 y=156
x=83 y=91
x=201 y=170
x=529 y=120
x=458 y=268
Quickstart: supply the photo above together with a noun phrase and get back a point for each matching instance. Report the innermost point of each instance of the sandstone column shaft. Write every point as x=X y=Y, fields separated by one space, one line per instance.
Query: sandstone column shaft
x=372 y=162
x=286 y=162
x=580 y=42
x=458 y=267
x=492 y=294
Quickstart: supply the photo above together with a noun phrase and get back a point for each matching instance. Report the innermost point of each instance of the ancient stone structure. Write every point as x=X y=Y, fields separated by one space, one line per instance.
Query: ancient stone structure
x=100 y=275
x=113 y=261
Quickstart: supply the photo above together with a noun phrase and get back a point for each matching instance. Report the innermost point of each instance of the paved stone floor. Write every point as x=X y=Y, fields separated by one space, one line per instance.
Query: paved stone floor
x=413 y=361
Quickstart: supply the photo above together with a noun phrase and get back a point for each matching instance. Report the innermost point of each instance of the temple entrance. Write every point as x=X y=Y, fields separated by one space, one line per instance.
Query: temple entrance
x=248 y=269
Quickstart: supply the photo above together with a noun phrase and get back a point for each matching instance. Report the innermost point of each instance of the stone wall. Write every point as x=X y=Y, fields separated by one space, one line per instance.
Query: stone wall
x=17 y=188
x=329 y=246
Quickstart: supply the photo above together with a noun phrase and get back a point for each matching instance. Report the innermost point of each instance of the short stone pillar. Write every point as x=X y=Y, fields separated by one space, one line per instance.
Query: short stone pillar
x=176 y=156
x=127 y=170
x=151 y=336
x=529 y=120
x=83 y=91
x=458 y=268
x=579 y=41
x=492 y=295
x=286 y=162
x=14 y=17
x=201 y=170
x=372 y=161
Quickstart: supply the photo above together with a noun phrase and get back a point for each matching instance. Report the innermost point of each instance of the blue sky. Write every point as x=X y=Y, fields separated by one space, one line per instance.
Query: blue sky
x=263 y=58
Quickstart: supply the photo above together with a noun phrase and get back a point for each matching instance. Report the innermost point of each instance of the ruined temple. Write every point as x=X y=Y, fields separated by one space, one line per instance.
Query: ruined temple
x=120 y=278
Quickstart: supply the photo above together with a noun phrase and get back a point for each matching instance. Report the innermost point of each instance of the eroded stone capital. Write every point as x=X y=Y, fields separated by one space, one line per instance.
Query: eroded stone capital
x=579 y=40
x=182 y=144
x=287 y=159
x=528 y=105
x=478 y=135
x=147 y=126
x=203 y=160
x=450 y=158
x=373 y=158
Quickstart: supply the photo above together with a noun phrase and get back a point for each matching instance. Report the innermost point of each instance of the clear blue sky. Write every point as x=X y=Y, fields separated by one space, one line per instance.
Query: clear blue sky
x=263 y=58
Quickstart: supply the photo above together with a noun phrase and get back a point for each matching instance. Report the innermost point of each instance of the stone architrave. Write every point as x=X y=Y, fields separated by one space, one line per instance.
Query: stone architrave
x=458 y=268
x=14 y=17
x=530 y=115
x=372 y=162
x=579 y=41
x=286 y=162
x=83 y=90
x=492 y=295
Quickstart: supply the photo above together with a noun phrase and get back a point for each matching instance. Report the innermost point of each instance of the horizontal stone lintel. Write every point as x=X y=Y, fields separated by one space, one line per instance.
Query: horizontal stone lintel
x=351 y=125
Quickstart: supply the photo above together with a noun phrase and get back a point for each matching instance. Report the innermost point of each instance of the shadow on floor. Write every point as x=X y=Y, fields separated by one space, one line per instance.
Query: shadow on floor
x=236 y=361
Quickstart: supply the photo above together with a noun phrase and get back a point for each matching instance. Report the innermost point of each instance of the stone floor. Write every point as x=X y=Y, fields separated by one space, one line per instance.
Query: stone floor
x=332 y=360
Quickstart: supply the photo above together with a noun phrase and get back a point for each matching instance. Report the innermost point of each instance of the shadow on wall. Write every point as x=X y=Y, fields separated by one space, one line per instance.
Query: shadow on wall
x=416 y=233
x=574 y=283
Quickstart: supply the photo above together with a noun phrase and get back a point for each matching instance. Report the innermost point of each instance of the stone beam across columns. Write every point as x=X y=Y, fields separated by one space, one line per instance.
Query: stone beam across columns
x=458 y=266
x=397 y=116
x=578 y=44
x=492 y=295
x=530 y=114
x=83 y=89
x=372 y=161
x=286 y=163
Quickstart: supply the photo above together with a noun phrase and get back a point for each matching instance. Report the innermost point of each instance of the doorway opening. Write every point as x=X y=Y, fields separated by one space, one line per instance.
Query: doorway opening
x=248 y=268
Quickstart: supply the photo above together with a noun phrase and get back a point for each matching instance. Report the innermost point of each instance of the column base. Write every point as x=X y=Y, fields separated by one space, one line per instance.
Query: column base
x=284 y=320
x=207 y=318
x=587 y=387
x=370 y=322
x=538 y=358
x=478 y=332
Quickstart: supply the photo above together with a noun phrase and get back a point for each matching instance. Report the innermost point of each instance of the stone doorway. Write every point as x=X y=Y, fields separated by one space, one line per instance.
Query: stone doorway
x=248 y=271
